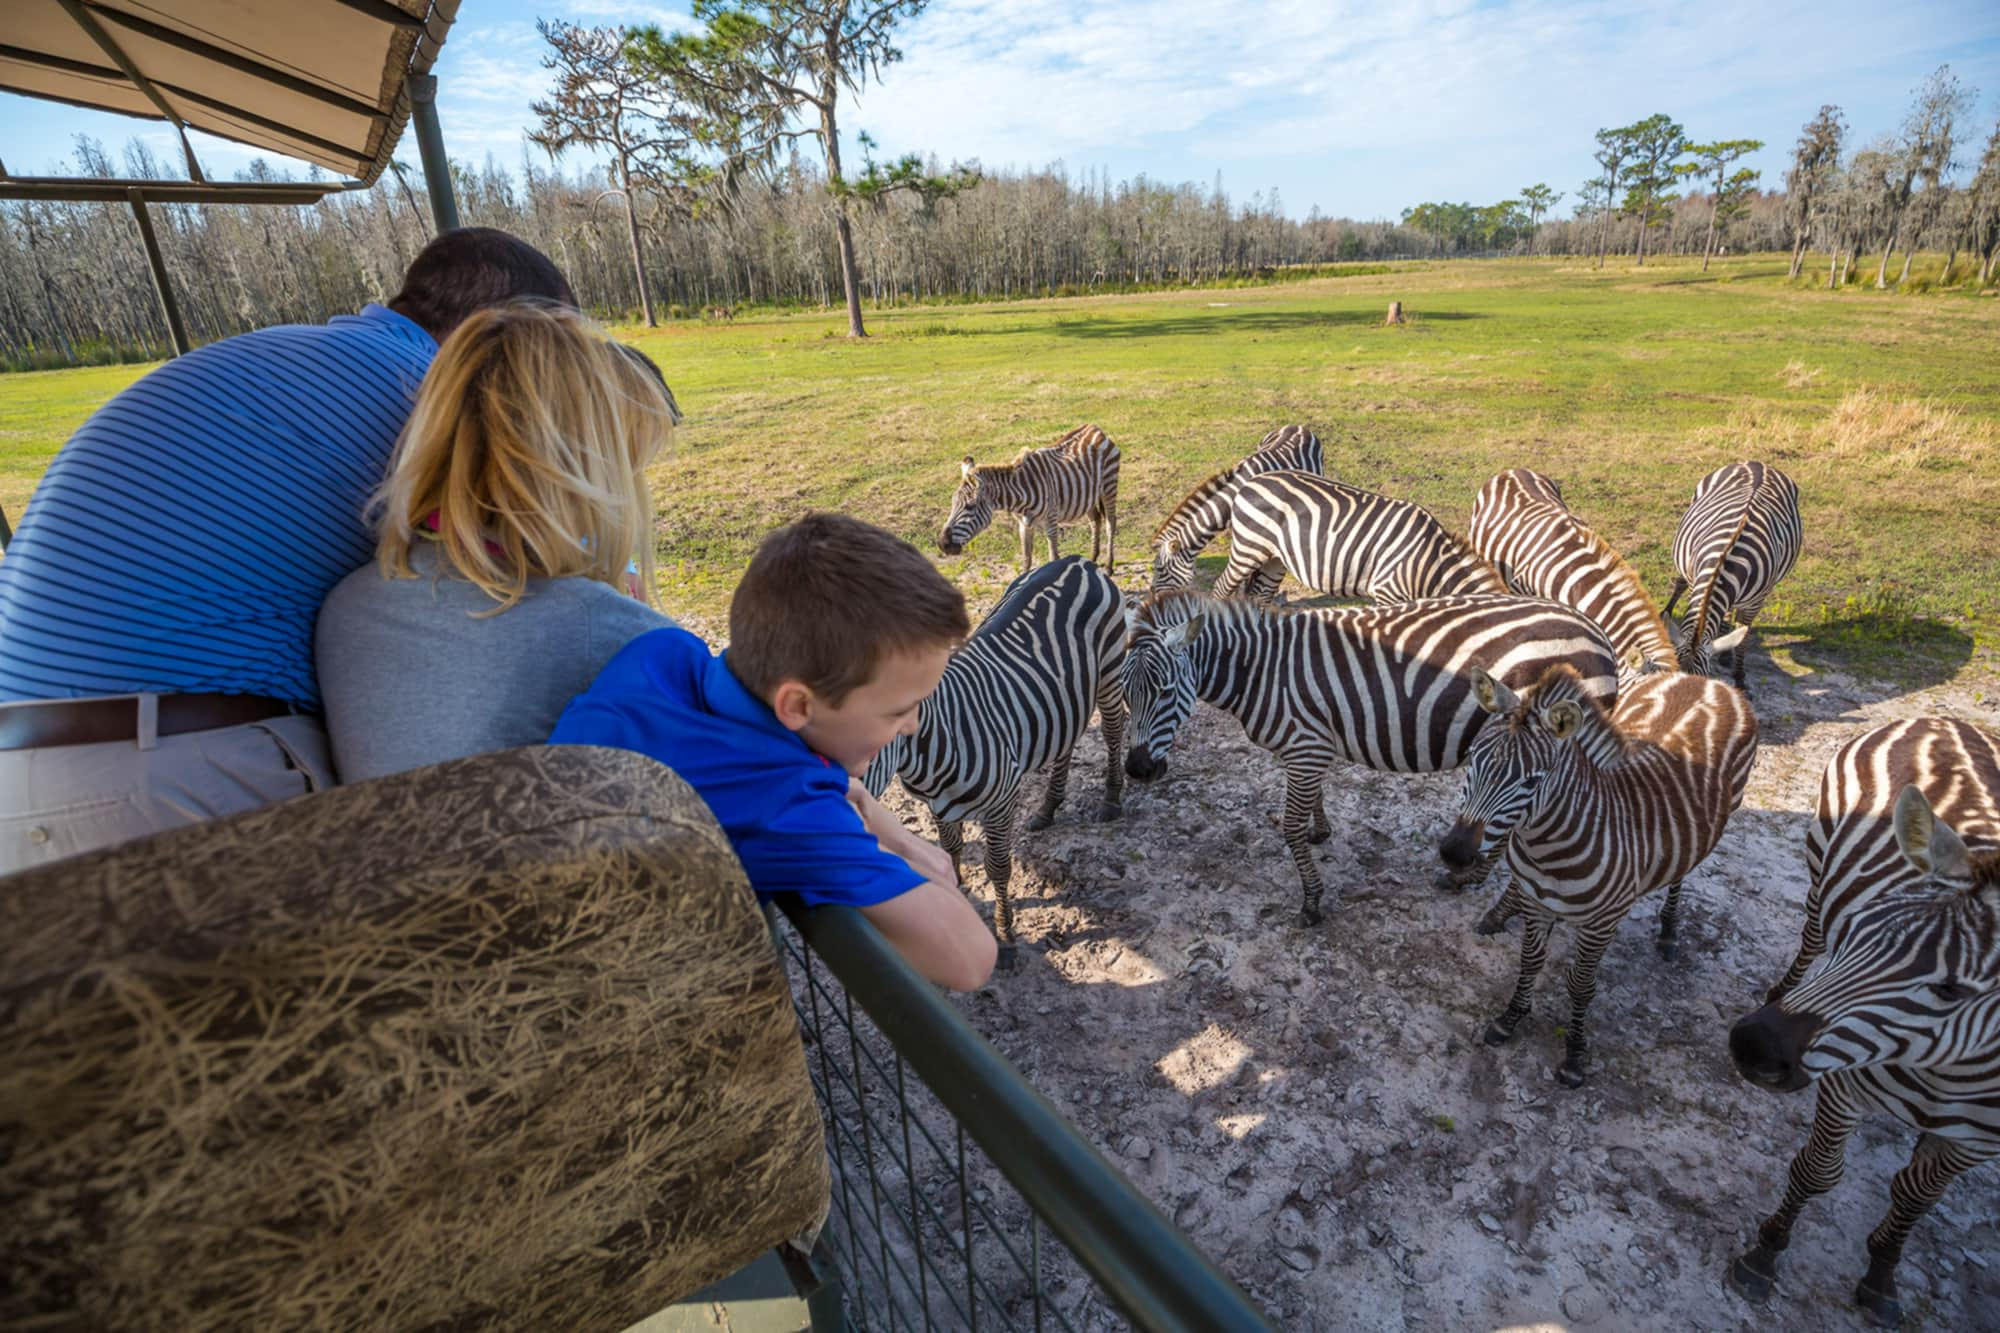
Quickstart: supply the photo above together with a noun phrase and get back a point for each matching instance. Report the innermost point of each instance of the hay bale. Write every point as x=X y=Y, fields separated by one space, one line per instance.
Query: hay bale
x=498 y=1043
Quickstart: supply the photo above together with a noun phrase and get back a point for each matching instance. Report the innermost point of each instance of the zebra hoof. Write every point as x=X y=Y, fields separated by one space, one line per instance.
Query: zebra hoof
x=1497 y=1034
x=1776 y=993
x=1007 y=960
x=1108 y=811
x=1753 y=1281
x=1669 y=950
x=1569 y=1074
x=1884 y=1310
x=1310 y=917
x=1488 y=926
x=1319 y=835
x=1041 y=820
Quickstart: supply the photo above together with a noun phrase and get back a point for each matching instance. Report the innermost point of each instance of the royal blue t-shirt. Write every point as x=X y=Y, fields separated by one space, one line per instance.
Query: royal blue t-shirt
x=783 y=806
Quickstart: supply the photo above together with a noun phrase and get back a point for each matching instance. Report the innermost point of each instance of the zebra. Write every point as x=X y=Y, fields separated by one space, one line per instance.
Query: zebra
x=1075 y=478
x=1597 y=807
x=1386 y=687
x=1740 y=536
x=1345 y=542
x=1012 y=701
x=1542 y=549
x=1205 y=511
x=1902 y=1014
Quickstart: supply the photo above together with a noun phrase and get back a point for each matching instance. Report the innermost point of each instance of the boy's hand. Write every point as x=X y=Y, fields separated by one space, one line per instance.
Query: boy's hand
x=894 y=838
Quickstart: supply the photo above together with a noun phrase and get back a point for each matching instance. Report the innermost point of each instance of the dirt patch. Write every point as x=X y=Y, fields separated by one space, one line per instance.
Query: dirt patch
x=1316 y=1109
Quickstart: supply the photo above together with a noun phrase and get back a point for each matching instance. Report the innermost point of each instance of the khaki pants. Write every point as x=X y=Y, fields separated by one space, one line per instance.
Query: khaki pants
x=64 y=800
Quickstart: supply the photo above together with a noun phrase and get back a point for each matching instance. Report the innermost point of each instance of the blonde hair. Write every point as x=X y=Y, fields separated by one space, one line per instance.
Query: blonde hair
x=529 y=441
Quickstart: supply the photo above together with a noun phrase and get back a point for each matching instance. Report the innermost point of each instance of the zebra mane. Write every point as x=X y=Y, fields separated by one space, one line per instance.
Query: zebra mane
x=1721 y=562
x=1623 y=569
x=1205 y=489
x=1176 y=606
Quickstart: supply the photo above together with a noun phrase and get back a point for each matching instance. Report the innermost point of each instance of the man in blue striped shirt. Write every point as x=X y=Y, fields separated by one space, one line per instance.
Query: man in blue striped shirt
x=157 y=602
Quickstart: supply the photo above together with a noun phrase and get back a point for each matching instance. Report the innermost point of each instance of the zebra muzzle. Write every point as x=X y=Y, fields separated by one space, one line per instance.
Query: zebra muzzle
x=1460 y=847
x=950 y=547
x=1141 y=765
x=1769 y=1046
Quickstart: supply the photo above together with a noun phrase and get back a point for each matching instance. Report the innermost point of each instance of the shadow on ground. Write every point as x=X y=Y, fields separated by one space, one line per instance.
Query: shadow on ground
x=1914 y=651
x=1236 y=321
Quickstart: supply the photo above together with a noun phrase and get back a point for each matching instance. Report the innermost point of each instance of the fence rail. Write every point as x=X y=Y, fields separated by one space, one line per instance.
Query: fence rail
x=919 y=1239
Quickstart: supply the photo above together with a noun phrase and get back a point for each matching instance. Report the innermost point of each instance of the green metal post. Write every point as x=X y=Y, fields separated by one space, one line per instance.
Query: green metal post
x=168 y=308
x=430 y=144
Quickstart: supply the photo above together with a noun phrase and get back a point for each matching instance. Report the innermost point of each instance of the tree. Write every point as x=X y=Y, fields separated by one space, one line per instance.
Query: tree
x=1924 y=153
x=1656 y=144
x=1613 y=148
x=1717 y=158
x=600 y=101
x=757 y=69
x=1983 y=212
x=1815 y=160
x=1539 y=199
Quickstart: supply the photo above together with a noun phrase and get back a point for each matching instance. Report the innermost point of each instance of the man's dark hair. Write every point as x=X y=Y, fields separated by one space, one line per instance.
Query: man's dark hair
x=651 y=367
x=827 y=598
x=470 y=268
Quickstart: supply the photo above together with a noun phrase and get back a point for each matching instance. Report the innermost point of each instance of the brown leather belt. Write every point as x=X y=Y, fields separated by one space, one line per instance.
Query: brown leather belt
x=44 y=724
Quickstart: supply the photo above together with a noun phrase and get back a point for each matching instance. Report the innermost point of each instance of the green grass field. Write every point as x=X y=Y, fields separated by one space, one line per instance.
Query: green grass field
x=1627 y=385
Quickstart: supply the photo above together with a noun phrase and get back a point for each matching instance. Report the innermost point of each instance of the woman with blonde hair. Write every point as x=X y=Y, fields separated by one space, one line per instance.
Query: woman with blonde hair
x=515 y=499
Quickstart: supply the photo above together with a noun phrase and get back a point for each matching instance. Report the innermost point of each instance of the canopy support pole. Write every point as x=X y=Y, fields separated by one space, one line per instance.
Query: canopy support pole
x=168 y=307
x=430 y=143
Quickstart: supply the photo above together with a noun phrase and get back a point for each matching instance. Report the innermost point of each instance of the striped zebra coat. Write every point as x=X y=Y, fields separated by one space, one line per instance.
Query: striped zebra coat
x=1902 y=1013
x=1073 y=479
x=1345 y=542
x=1013 y=701
x=1740 y=536
x=1386 y=687
x=1205 y=511
x=1543 y=549
x=1603 y=807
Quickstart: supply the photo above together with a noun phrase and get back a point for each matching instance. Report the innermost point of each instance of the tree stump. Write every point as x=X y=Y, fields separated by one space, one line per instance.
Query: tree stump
x=1395 y=313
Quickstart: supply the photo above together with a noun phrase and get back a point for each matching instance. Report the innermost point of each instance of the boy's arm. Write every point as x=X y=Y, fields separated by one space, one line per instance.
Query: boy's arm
x=932 y=925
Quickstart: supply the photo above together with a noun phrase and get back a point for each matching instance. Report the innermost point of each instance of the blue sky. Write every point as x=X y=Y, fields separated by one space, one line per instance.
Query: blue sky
x=1360 y=108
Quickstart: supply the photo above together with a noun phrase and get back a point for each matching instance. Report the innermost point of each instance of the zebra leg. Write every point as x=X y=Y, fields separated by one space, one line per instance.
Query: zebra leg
x=1321 y=830
x=1058 y=788
x=1680 y=586
x=1111 y=722
x=1304 y=790
x=1814 y=1171
x=1506 y=907
x=998 y=820
x=1263 y=585
x=1591 y=943
x=1934 y=1165
x=1534 y=952
x=1812 y=943
x=1096 y=534
x=1736 y=671
x=1027 y=545
x=951 y=840
x=1053 y=552
x=1670 y=922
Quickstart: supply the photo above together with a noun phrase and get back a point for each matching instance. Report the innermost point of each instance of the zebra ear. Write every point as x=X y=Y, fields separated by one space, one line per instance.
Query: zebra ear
x=1195 y=624
x=965 y=467
x=1131 y=619
x=1675 y=635
x=1930 y=844
x=1493 y=696
x=1636 y=661
x=1563 y=717
x=1729 y=640
x=1180 y=634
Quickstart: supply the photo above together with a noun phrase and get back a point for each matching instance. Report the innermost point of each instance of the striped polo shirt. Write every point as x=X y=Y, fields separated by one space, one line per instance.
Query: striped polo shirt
x=184 y=537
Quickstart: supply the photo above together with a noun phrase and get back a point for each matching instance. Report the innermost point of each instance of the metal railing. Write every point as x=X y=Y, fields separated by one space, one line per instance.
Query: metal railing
x=919 y=1238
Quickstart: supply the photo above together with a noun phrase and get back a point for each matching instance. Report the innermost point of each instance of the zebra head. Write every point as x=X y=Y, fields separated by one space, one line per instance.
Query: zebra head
x=1158 y=678
x=1173 y=565
x=886 y=766
x=1913 y=980
x=1700 y=651
x=1504 y=766
x=971 y=511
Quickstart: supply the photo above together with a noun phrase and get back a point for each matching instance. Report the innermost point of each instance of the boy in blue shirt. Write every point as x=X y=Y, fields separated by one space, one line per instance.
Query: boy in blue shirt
x=837 y=632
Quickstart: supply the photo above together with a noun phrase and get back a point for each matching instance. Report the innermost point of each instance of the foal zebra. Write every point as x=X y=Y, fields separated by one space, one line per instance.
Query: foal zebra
x=1386 y=687
x=1543 y=549
x=1205 y=511
x=1903 y=1015
x=1741 y=535
x=1014 y=700
x=1075 y=478
x=1597 y=809
x=1345 y=542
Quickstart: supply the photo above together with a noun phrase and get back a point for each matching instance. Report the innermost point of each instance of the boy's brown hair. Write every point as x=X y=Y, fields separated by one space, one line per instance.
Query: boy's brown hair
x=825 y=599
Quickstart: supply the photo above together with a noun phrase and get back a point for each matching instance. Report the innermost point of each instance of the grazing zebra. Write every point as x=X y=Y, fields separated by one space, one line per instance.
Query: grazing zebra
x=1075 y=478
x=1741 y=535
x=1345 y=542
x=1386 y=687
x=1903 y=1014
x=1543 y=549
x=1013 y=701
x=1603 y=806
x=1205 y=512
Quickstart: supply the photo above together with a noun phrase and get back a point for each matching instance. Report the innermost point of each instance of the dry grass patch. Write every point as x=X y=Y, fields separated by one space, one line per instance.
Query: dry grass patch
x=1871 y=427
x=1798 y=375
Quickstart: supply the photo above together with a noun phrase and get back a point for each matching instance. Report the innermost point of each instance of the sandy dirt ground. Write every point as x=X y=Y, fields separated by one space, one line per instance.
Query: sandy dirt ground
x=1316 y=1109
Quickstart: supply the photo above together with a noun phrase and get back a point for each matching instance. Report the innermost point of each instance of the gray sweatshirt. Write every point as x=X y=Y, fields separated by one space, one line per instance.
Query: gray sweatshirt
x=411 y=678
